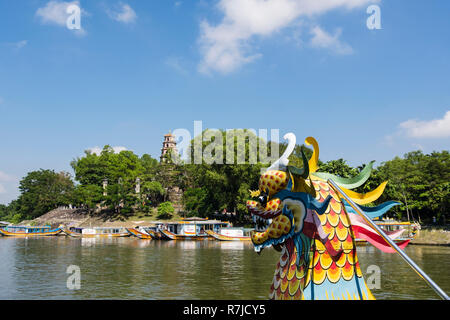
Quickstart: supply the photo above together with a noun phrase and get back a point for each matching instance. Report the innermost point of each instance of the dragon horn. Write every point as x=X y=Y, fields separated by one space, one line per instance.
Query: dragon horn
x=303 y=172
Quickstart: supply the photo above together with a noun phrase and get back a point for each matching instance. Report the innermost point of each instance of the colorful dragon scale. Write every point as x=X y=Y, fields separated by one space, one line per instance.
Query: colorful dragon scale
x=308 y=223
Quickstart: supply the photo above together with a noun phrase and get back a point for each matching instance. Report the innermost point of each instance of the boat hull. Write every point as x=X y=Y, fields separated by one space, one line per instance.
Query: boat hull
x=138 y=234
x=156 y=235
x=108 y=235
x=53 y=232
x=222 y=237
x=167 y=235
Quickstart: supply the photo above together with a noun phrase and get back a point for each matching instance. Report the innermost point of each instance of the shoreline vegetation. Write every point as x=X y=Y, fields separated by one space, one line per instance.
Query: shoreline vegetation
x=121 y=188
x=428 y=235
x=437 y=236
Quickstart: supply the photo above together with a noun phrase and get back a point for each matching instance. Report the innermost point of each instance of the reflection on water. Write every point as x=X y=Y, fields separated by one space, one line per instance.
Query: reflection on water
x=130 y=268
x=232 y=245
x=399 y=281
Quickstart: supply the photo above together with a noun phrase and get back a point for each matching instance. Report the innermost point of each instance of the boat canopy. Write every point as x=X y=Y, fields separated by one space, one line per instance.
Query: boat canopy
x=27 y=229
x=103 y=230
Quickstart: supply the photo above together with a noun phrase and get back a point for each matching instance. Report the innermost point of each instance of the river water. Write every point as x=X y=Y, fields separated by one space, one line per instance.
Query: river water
x=129 y=268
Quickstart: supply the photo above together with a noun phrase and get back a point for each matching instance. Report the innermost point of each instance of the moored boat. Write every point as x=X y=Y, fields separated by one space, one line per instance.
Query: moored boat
x=400 y=232
x=96 y=232
x=154 y=232
x=29 y=231
x=231 y=234
x=190 y=229
x=140 y=233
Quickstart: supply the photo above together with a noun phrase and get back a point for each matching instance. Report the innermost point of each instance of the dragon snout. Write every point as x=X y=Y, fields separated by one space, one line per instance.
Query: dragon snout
x=279 y=226
x=269 y=211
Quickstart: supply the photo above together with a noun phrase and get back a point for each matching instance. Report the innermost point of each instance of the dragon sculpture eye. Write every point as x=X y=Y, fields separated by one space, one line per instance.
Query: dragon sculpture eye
x=263 y=198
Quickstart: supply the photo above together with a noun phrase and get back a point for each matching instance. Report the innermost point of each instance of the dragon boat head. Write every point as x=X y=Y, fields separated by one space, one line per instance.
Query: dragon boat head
x=296 y=211
x=283 y=210
x=270 y=223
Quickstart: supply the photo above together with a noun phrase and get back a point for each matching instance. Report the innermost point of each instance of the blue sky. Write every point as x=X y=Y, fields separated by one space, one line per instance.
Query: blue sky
x=138 y=69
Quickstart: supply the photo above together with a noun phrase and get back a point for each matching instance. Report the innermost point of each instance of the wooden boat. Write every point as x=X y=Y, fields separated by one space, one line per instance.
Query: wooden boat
x=140 y=233
x=154 y=233
x=97 y=232
x=190 y=229
x=29 y=231
x=400 y=232
x=145 y=232
x=231 y=234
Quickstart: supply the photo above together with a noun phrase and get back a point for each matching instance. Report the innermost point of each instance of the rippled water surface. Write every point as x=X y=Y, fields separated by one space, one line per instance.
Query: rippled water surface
x=129 y=268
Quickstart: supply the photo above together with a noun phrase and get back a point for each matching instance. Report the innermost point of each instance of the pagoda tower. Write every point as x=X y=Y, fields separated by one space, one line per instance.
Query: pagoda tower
x=168 y=144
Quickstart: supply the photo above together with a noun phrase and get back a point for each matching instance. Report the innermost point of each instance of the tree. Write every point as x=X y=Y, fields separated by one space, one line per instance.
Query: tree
x=339 y=168
x=42 y=191
x=152 y=192
x=3 y=211
x=121 y=197
x=212 y=187
x=194 y=200
x=88 y=196
x=165 y=210
x=92 y=170
x=419 y=181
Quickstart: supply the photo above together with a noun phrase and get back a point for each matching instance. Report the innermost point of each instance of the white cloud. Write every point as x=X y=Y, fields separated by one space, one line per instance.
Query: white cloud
x=226 y=46
x=118 y=149
x=97 y=150
x=322 y=39
x=54 y=12
x=20 y=44
x=176 y=63
x=178 y=3
x=437 y=128
x=4 y=177
x=15 y=45
x=124 y=13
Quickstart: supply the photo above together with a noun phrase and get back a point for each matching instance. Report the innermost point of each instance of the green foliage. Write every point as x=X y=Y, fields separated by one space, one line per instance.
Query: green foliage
x=194 y=200
x=4 y=212
x=87 y=196
x=295 y=159
x=213 y=187
x=165 y=210
x=119 y=171
x=11 y=212
x=121 y=197
x=93 y=169
x=42 y=191
x=339 y=168
x=16 y=218
x=152 y=191
x=420 y=181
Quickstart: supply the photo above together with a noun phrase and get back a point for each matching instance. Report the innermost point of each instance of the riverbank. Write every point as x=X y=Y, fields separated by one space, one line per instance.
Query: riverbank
x=432 y=236
x=428 y=235
x=80 y=218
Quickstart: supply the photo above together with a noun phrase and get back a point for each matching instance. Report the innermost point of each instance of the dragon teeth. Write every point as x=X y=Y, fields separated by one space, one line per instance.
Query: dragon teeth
x=261 y=224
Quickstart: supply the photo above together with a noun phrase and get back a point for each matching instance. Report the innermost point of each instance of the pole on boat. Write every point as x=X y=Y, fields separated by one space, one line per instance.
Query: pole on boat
x=408 y=260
